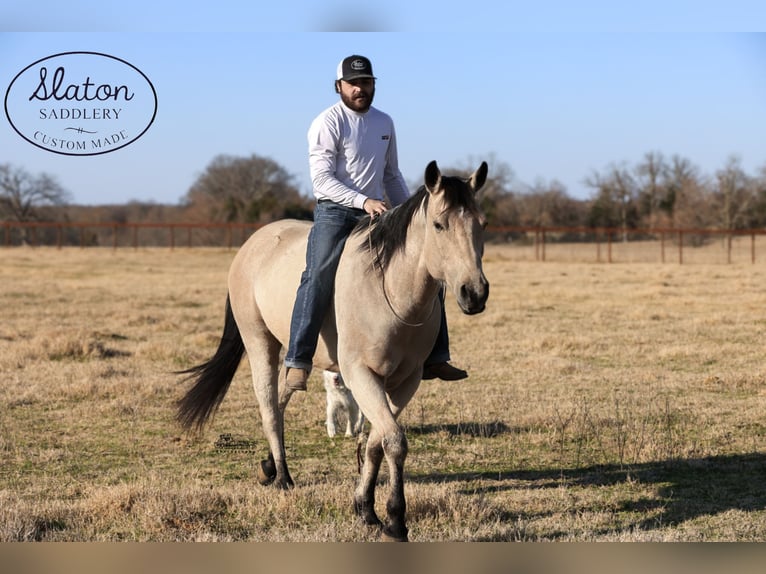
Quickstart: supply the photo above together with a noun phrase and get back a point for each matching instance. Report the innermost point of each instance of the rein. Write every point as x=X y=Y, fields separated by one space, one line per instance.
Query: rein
x=376 y=257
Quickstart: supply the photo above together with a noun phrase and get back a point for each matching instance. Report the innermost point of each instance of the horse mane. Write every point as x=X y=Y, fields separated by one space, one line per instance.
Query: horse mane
x=388 y=232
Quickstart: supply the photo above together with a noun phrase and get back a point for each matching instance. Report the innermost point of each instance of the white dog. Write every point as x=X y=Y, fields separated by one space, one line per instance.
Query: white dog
x=341 y=401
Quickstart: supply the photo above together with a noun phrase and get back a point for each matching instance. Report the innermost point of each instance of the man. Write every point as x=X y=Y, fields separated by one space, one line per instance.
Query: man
x=354 y=171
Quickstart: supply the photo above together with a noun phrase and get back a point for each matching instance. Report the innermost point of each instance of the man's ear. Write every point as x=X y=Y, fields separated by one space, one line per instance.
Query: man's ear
x=337 y=86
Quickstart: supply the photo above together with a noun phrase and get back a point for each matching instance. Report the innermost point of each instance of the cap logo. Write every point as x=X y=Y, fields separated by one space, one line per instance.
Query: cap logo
x=357 y=65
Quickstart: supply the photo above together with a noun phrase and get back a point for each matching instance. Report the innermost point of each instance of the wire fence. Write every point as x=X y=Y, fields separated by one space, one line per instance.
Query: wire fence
x=530 y=243
x=650 y=245
x=126 y=235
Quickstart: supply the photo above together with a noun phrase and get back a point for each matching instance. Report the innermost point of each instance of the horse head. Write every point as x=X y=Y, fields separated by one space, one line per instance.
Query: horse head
x=455 y=235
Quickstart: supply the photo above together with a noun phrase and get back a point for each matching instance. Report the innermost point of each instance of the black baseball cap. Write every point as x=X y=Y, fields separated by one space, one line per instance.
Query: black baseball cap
x=354 y=67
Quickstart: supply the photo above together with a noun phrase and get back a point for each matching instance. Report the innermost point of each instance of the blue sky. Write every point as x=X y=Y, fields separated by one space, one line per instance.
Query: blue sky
x=551 y=97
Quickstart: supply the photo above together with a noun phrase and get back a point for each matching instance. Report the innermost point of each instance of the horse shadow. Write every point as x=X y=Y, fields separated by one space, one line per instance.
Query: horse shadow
x=686 y=488
x=471 y=429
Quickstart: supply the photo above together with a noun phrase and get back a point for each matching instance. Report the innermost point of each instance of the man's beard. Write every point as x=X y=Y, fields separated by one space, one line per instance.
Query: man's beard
x=360 y=106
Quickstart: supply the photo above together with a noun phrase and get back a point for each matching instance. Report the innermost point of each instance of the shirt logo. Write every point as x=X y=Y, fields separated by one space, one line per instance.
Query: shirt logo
x=385 y=137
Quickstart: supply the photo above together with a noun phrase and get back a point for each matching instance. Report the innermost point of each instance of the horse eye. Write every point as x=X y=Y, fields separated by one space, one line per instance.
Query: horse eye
x=438 y=226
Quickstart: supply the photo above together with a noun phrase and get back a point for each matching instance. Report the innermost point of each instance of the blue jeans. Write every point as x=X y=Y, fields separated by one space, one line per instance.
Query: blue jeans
x=333 y=224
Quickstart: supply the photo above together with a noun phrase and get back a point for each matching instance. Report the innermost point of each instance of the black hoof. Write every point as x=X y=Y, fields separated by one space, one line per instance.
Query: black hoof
x=284 y=484
x=267 y=472
x=389 y=535
x=366 y=515
x=372 y=523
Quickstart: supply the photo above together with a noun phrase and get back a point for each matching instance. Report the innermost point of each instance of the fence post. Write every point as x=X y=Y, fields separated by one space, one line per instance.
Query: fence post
x=537 y=244
x=728 y=247
x=752 y=247
x=609 y=247
x=598 y=246
x=662 y=246
x=172 y=237
x=680 y=247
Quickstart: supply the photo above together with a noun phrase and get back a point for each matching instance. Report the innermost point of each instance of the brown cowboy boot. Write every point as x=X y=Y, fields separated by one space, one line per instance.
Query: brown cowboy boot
x=296 y=379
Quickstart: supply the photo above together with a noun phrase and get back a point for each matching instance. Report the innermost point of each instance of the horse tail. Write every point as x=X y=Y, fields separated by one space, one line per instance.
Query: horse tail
x=212 y=378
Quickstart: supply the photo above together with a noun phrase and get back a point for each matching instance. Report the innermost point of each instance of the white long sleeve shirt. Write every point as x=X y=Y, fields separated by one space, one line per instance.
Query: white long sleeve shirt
x=352 y=157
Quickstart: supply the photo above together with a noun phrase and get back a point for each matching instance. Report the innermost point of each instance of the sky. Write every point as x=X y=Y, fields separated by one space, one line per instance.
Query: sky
x=553 y=93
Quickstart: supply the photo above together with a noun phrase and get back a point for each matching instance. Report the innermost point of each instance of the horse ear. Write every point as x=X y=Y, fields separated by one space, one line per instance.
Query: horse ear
x=433 y=177
x=479 y=177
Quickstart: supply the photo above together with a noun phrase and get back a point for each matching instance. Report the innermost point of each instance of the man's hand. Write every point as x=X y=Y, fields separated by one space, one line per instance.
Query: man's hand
x=374 y=207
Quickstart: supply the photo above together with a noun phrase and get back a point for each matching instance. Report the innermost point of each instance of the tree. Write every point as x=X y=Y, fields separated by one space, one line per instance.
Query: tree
x=247 y=190
x=686 y=193
x=759 y=209
x=615 y=201
x=547 y=204
x=653 y=198
x=496 y=198
x=23 y=195
x=734 y=195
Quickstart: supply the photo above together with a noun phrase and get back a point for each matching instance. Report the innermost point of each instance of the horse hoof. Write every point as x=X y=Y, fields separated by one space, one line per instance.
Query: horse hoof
x=387 y=536
x=266 y=472
x=372 y=524
x=284 y=484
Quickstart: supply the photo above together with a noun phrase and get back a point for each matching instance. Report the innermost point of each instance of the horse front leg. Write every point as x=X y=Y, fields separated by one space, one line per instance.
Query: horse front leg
x=395 y=450
x=386 y=440
x=394 y=447
x=364 y=496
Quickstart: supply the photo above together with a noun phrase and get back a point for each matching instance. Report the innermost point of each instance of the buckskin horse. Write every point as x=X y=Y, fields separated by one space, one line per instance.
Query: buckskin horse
x=383 y=324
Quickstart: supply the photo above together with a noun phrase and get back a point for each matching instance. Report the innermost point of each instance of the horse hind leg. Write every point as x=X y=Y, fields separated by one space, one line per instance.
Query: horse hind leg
x=272 y=401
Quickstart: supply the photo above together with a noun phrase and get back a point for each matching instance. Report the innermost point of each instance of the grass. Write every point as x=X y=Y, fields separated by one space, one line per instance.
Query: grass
x=605 y=402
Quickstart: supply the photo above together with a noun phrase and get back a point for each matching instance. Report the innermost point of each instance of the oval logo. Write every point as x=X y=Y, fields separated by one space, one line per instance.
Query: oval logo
x=81 y=103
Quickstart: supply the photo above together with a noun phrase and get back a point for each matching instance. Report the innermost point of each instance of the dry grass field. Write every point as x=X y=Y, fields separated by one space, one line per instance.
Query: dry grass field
x=621 y=402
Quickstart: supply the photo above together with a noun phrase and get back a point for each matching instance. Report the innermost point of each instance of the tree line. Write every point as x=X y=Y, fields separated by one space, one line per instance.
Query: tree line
x=656 y=192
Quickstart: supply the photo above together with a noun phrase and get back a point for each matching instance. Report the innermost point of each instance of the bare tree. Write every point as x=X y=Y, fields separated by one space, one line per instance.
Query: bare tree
x=615 y=201
x=686 y=195
x=22 y=195
x=759 y=209
x=496 y=198
x=245 y=189
x=734 y=194
x=548 y=204
x=652 y=189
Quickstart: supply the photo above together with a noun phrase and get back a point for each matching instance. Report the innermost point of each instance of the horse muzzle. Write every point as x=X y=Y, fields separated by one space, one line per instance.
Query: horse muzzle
x=472 y=299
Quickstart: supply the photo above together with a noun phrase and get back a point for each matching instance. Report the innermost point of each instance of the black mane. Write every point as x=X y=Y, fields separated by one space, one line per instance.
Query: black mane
x=388 y=232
